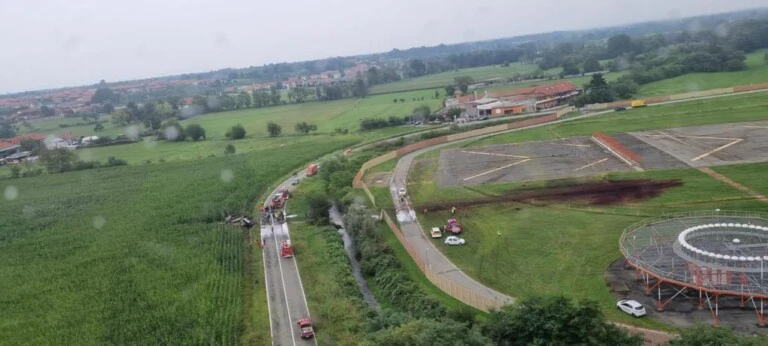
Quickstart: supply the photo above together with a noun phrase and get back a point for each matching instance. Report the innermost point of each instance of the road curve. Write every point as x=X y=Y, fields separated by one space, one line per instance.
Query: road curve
x=285 y=292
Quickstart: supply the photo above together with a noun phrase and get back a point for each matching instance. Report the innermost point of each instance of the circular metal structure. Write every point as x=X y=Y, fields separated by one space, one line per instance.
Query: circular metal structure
x=717 y=253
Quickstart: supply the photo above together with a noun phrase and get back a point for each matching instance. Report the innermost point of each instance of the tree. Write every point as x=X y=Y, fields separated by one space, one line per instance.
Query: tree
x=33 y=146
x=765 y=58
x=229 y=149
x=569 y=67
x=195 y=131
x=555 y=321
x=58 y=160
x=597 y=81
x=98 y=127
x=416 y=68
x=103 y=94
x=454 y=112
x=47 y=111
x=202 y=101
x=15 y=171
x=450 y=91
x=171 y=130
x=714 y=336
x=372 y=75
x=619 y=44
x=107 y=108
x=319 y=204
x=437 y=94
x=121 y=117
x=305 y=128
x=463 y=83
x=273 y=129
x=227 y=102
x=359 y=89
x=236 y=132
x=6 y=130
x=244 y=99
x=592 y=65
x=429 y=332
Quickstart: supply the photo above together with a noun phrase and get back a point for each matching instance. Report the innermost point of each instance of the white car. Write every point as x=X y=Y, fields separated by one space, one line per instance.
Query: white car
x=402 y=192
x=631 y=307
x=453 y=240
x=436 y=233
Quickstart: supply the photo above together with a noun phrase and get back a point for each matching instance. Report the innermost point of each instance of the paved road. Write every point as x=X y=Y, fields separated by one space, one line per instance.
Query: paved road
x=285 y=293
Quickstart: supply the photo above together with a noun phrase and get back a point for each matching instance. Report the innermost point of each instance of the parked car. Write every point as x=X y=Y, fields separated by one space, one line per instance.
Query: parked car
x=453 y=240
x=436 y=233
x=402 y=192
x=619 y=109
x=631 y=307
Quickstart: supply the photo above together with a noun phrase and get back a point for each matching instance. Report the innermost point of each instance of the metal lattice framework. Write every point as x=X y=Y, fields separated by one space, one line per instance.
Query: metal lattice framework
x=717 y=253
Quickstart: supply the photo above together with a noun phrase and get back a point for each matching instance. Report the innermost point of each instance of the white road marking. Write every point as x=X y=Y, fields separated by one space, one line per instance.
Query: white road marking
x=755 y=127
x=591 y=164
x=575 y=145
x=494 y=154
x=716 y=150
x=285 y=292
x=496 y=169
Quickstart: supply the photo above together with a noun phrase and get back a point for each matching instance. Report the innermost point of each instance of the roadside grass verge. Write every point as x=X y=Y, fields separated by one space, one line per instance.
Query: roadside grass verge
x=335 y=302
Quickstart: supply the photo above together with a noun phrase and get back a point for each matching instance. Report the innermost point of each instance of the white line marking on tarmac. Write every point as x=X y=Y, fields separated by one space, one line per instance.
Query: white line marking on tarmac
x=685 y=136
x=576 y=145
x=285 y=292
x=496 y=169
x=494 y=154
x=591 y=164
x=716 y=150
x=756 y=127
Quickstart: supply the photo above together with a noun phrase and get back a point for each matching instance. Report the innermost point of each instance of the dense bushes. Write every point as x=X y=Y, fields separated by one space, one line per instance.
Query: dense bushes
x=236 y=132
x=379 y=263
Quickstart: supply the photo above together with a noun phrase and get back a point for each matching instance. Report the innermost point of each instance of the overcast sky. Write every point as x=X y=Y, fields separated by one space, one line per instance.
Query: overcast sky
x=54 y=43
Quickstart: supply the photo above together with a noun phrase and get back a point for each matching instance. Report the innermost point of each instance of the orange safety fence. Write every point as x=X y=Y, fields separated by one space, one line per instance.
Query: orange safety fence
x=619 y=148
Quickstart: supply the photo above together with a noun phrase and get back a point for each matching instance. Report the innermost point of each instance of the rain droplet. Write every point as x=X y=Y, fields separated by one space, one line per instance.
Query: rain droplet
x=227 y=175
x=149 y=144
x=28 y=211
x=99 y=221
x=133 y=132
x=171 y=132
x=11 y=192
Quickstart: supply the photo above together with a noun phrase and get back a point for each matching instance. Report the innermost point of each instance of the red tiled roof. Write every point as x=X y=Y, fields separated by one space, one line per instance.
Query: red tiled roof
x=535 y=91
x=18 y=139
x=5 y=145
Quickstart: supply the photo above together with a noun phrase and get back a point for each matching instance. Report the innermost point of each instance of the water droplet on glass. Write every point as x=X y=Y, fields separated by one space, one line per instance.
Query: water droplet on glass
x=133 y=132
x=227 y=175
x=11 y=192
x=149 y=144
x=171 y=132
x=99 y=221
x=28 y=211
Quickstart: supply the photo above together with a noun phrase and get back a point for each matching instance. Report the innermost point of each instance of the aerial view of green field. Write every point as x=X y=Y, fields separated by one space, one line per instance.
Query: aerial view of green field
x=239 y=196
x=136 y=254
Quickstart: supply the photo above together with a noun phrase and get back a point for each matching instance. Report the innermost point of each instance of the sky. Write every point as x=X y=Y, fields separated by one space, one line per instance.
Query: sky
x=57 y=43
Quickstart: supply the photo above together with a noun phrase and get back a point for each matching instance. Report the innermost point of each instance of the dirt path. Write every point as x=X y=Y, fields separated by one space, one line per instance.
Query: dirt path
x=728 y=181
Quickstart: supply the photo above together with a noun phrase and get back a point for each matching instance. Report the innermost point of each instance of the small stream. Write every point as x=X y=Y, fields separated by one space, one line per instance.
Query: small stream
x=349 y=248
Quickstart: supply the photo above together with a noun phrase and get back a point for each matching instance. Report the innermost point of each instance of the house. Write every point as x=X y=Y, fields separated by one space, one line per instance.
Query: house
x=7 y=149
x=535 y=98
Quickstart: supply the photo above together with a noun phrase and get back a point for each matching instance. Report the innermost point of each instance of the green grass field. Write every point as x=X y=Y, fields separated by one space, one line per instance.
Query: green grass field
x=757 y=72
x=565 y=249
x=441 y=80
x=344 y=114
x=135 y=255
